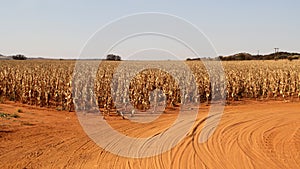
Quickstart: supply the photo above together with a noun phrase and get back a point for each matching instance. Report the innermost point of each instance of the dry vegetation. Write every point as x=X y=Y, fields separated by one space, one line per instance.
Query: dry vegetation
x=49 y=83
x=250 y=135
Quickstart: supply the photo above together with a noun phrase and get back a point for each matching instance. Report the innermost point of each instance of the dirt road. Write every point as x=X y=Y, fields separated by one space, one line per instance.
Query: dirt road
x=250 y=135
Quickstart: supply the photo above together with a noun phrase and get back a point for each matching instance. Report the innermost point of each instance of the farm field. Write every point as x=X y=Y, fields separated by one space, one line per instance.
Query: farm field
x=39 y=128
x=50 y=83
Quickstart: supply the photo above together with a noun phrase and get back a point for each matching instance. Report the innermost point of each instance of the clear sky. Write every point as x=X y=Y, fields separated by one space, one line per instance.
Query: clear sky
x=60 y=28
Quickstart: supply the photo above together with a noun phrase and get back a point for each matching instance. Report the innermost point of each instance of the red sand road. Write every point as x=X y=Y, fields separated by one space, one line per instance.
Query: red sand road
x=250 y=135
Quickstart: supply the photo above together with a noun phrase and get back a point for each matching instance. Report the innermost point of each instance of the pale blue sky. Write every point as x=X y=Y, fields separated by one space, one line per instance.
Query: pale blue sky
x=60 y=28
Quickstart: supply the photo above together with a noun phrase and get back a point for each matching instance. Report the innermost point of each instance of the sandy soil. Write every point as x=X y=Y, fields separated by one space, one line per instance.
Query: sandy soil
x=250 y=135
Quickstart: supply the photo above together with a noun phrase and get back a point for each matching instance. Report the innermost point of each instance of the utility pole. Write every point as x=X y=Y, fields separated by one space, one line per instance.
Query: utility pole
x=276 y=51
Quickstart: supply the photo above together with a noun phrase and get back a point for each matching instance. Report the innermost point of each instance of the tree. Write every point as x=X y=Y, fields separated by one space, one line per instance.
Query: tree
x=113 y=57
x=19 y=57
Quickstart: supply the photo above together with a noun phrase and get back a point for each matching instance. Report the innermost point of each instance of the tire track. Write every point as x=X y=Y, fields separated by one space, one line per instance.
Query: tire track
x=253 y=135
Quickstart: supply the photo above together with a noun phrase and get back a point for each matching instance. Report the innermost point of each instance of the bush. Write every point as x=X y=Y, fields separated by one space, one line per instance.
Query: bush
x=295 y=57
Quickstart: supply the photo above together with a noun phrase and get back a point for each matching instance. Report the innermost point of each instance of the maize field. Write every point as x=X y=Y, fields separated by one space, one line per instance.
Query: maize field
x=48 y=83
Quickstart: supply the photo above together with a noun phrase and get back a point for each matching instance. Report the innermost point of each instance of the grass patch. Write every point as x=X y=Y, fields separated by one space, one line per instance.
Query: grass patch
x=8 y=116
x=26 y=123
x=4 y=115
x=14 y=115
